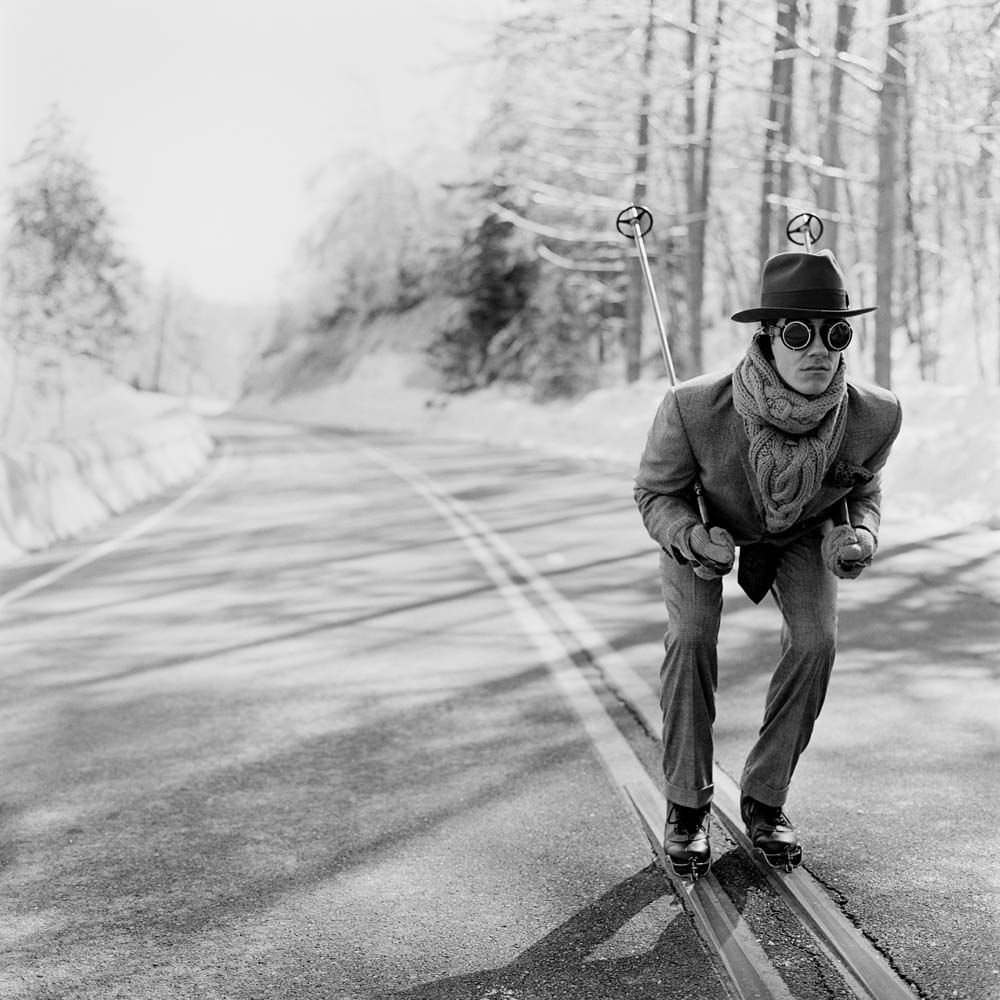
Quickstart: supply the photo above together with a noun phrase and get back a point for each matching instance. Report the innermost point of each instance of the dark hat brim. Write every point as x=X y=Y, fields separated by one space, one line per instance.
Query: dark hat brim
x=753 y=315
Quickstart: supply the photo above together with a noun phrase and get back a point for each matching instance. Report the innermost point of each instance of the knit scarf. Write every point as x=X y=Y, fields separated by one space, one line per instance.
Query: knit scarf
x=793 y=438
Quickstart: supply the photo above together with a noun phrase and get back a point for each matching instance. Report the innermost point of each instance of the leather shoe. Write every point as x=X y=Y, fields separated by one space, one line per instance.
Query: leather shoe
x=685 y=840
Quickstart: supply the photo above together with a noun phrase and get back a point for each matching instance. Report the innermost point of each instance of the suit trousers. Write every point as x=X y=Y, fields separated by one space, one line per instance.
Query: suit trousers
x=806 y=594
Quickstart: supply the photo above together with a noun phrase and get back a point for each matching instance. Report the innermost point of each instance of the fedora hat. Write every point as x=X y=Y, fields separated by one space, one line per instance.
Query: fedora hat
x=800 y=285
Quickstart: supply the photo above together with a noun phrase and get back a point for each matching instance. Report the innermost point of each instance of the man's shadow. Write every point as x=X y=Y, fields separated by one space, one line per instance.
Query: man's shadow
x=562 y=965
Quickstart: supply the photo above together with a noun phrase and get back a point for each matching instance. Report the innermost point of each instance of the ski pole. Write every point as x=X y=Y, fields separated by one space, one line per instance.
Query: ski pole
x=641 y=221
x=804 y=225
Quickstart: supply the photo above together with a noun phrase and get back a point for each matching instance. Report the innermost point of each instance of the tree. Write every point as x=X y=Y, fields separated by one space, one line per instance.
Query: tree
x=567 y=156
x=494 y=273
x=367 y=249
x=890 y=126
x=558 y=322
x=698 y=175
x=189 y=344
x=833 y=160
x=636 y=295
x=778 y=126
x=726 y=120
x=70 y=288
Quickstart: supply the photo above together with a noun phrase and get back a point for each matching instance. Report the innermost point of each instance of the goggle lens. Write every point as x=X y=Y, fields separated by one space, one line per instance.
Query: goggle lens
x=797 y=336
x=838 y=335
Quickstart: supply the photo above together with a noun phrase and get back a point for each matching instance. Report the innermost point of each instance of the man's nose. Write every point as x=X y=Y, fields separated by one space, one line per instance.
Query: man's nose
x=817 y=345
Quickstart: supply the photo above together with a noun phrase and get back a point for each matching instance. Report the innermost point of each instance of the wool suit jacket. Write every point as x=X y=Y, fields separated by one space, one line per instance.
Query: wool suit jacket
x=698 y=435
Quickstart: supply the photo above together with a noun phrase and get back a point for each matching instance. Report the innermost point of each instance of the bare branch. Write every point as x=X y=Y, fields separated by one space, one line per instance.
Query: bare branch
x=568 y=264
x=550 y=232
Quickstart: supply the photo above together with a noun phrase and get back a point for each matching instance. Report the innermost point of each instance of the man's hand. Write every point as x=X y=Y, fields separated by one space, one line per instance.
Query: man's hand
x=711 y=551
x=847 y=551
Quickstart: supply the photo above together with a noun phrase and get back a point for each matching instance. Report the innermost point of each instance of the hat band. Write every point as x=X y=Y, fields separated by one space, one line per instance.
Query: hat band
x=805 y=298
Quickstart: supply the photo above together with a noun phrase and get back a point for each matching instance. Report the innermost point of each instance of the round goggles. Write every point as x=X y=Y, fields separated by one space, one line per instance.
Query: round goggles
x=797 y=335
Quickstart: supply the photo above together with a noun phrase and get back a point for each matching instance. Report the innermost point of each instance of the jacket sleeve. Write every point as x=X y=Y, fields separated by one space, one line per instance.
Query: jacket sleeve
x=864 y=502
x=667 y=472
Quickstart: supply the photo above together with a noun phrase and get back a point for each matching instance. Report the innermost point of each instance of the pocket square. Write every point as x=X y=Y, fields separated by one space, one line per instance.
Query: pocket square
x=846 y=474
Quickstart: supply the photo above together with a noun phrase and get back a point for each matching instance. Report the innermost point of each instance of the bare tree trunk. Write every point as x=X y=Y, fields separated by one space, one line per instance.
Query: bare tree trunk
x=163 y=320
x=893 y=84
x=832 y=157
x=62 y=383
x=698 y=171
x=973 y=253
x=986 y=168
x=12 y=393
x=778 y=127
x=916 y=311
x=695 y=258
x=634 y=295
x=941 y=236
x=786 y=107
x=991 y=218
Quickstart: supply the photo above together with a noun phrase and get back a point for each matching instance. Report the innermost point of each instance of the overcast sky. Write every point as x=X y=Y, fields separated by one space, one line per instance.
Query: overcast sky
x=205 y=117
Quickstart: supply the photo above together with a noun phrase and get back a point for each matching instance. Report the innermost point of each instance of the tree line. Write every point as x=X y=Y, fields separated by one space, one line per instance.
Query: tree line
x=726 y=119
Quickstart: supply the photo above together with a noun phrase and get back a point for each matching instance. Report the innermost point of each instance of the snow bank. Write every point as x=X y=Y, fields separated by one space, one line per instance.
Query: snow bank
x=54 y=490
x=946 y=461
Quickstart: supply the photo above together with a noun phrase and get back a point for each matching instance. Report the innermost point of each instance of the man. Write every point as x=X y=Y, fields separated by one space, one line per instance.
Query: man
x=777 y=445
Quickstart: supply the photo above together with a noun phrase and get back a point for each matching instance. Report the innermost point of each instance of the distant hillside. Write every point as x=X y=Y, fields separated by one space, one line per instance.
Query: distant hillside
x=313 y=359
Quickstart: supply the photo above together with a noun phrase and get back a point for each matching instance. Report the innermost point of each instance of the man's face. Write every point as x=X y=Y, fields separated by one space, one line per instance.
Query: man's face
x=810 y=370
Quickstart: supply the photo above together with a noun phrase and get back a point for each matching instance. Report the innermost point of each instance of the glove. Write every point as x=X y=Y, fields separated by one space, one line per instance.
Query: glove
x=846 y=551
x=711 y=551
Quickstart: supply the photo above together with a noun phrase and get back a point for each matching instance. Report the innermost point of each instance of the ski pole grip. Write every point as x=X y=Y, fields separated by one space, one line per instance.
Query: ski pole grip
x=845 y=513
x=699 y=496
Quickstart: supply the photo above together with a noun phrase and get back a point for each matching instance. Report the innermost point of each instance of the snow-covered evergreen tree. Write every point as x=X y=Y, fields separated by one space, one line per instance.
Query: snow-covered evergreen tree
x=69 y=287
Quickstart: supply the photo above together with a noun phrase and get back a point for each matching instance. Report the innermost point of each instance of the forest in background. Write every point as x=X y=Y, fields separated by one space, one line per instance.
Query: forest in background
x=724 y=118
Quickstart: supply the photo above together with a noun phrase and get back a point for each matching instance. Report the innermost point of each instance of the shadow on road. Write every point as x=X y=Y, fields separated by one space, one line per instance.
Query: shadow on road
x=563 y=965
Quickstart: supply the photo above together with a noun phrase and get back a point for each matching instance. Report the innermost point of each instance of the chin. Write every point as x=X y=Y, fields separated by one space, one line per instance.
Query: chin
x=813 y=386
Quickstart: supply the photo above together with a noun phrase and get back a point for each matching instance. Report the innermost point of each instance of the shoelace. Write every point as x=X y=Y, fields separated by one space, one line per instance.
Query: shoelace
x=687 y=820
x=772 y=815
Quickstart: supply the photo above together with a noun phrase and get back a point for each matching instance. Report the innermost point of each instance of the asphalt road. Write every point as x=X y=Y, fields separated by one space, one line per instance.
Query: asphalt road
x=290 y=741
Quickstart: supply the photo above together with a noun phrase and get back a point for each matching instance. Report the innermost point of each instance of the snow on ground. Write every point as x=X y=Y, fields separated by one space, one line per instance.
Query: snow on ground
x=72 y=456
x=945 y=465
